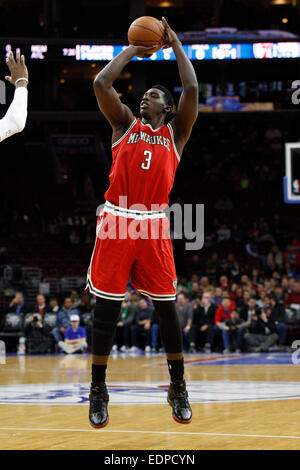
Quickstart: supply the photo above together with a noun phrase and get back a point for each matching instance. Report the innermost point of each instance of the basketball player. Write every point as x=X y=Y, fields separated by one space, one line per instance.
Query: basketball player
x=146 y=152
x=15 y=117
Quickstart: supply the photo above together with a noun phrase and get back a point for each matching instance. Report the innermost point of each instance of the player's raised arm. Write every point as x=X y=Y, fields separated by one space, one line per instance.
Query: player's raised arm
x=15 y=118
x=117 y=113
x=187 y=110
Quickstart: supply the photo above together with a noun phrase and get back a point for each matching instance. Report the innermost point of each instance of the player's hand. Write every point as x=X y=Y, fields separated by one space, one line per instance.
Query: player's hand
x=142 y=51
x=17 y=68
x=171 y=35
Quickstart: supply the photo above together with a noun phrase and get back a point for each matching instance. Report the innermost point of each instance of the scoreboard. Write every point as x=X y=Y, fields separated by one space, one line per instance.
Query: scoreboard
x=196 y=52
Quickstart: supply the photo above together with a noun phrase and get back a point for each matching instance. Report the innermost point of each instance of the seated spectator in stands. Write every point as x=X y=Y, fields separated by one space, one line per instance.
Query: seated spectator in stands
x=75 y=337
x=238 y=295
x=185 y=316
x=37 y=337
x=280 y=297
x=218 y=296
x=244 y=303
x=285 y=285
x=233 y=333
x=85 y=304
x=293 y=298
x=250 y=309
x=205 y=285
x=202 y=329
x=124 y=323
x=41 y=307
x=63 y=320
x=275 y=255
x=223 y=281
x=195 y=290
x=222 y=314
x=53 y=304
x=18 y=304
x=76 y=300
x=261 y=335
x=276 y=310
x=142 y=326
x=262 y=298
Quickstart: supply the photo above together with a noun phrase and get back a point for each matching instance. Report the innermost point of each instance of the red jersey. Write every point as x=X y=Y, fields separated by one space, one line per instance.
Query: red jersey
x=144 y=165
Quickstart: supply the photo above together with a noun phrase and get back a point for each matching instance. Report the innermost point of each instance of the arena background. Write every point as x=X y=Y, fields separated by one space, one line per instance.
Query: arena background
x=54 y=174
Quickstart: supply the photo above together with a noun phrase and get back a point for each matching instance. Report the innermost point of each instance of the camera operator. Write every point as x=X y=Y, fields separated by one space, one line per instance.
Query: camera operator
x=37 y=337
x=261 y=334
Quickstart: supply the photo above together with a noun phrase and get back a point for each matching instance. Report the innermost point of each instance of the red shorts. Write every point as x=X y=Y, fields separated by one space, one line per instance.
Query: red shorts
x=135 y=244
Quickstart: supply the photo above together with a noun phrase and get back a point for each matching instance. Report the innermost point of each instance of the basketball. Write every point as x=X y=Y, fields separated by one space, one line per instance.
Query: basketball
x=147 y=31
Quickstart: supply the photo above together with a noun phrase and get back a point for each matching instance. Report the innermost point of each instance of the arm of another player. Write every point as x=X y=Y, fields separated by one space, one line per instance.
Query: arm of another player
x=117 y=113
x=187 y=110
x=15 y=118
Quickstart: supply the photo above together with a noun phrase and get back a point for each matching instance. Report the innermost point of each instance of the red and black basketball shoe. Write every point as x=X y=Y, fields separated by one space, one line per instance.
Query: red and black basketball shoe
x=178 y=400
x=99 y=398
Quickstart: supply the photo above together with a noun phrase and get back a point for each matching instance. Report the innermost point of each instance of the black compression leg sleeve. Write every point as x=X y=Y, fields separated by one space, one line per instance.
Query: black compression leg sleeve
x=104 y=325
x=171 y=336
x=170 y=330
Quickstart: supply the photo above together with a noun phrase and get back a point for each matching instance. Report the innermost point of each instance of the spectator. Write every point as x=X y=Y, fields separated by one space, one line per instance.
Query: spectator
x=76 y=300
x=84 y=305
x=142 y=326
x=53 y=305
x=41 y=307
x=233 y=333
x=293 y=298
x=124 y=323
x=275 y=255
x=205 y=285
x=202 y=329
x=63 y=320
x=195 y=290
x=37 y=337
x=261 y=335
x=217 y=298
x=185 y=317
x=276 y=310
x=18 y=304
x=222 y=314
x=244 y=303
x=250 y=309
x=75 y=337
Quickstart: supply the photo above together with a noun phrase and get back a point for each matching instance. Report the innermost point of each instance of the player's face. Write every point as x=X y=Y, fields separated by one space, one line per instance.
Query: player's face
x=153 y=103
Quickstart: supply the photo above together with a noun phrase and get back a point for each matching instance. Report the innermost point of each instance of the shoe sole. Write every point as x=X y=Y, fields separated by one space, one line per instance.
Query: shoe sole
x=101 y=425
x=177 y=419
x=180 y=421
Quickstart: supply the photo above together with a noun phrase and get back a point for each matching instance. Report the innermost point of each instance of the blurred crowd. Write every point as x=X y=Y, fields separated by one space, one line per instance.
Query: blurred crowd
x=235 y=313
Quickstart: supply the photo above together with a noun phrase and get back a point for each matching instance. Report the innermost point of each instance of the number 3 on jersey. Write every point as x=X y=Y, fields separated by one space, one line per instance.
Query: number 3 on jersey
x=147 y=162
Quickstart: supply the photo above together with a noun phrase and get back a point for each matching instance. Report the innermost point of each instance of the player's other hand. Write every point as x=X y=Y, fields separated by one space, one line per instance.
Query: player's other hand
x=170 y=34
x=17 y=68
x=142 y=51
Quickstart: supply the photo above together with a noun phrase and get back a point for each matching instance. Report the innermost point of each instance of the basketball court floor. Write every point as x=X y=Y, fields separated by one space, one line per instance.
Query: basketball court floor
x=246 y=401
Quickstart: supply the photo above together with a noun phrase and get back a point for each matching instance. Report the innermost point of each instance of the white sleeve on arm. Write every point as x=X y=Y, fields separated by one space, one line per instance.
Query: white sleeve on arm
x=15 y=118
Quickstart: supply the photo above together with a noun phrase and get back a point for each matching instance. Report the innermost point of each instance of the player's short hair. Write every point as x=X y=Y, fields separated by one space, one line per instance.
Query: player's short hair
x=169 y=99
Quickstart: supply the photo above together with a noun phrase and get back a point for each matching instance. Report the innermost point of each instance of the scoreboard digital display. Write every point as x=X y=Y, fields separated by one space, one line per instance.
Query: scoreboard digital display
x=106 y=52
